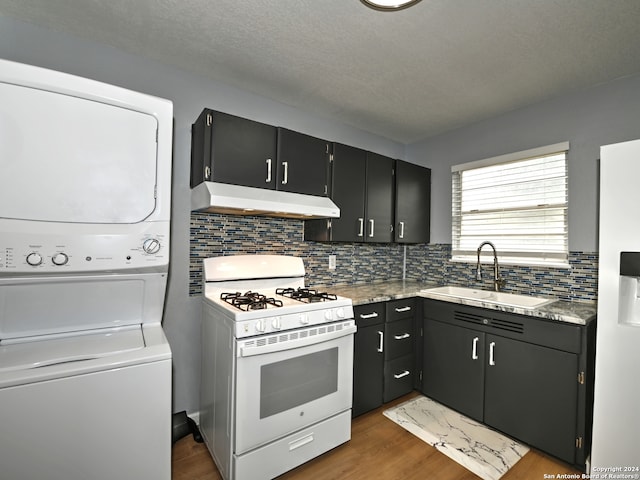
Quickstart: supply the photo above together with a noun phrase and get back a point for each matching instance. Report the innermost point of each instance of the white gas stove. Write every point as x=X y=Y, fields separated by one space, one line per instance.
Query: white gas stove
x=236 y=286
x=277 y=366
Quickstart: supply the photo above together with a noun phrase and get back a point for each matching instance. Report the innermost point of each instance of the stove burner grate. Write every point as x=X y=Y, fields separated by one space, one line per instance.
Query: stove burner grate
x=249 y=300
x=308 y=295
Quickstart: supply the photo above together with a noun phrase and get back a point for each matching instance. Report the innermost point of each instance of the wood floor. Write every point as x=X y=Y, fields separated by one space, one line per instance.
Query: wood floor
x=378 y=450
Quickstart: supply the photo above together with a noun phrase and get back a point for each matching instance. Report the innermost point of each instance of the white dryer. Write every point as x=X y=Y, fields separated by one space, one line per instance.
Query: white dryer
x=85 y=368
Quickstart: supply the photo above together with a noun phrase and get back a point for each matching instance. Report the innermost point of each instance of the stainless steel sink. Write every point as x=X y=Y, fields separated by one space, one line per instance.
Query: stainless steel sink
x=450 y=292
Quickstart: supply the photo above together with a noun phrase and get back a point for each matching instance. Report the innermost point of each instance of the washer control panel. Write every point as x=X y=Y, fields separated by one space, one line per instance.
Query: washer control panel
x=23 y=253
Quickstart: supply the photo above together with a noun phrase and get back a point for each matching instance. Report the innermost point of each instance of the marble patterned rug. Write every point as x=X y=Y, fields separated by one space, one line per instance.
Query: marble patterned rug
x=483 y=451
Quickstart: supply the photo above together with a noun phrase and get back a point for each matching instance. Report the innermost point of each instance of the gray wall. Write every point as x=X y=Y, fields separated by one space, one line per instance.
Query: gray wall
x=601 y=115
x=29 y=44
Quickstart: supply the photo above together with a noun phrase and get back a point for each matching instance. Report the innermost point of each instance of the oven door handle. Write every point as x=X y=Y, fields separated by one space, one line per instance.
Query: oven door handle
x=249 y=351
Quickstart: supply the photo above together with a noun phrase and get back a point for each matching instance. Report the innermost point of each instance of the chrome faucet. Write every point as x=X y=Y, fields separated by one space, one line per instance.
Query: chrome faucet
x=498 y=282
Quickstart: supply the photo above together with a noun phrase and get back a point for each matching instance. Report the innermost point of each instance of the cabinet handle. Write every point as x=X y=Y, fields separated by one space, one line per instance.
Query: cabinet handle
x=368 y=315
x=492 y=347
x=207 y=172
x=371 y=224
x=403 y=309
x=268 y=180
x=361 y=232
x=286 y=173
x=401 y=235
x=400 y=375
x=474 y=350
x=381 y=344
x=402 y=337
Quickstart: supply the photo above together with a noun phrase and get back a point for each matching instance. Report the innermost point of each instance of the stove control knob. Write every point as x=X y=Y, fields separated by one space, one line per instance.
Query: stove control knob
x=328 y=315
x=276 y=323
x=34 y=259
x=304 y=319
x=340 y=312
x=60 y=259
x=260 y=326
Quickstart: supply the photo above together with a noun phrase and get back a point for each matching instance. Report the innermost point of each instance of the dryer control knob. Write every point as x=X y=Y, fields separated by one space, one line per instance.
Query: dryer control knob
x=34 y=259
x=60 y=259
x=151 y=245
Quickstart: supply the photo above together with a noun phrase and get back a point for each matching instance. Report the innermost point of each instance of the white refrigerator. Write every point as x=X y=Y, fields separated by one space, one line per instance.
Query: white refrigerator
x=615 y=451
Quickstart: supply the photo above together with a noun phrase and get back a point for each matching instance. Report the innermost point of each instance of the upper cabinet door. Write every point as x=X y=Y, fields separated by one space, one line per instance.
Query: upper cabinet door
x=230 y=149
x=303 y=163
x=379 y=204
x=348 y=192
x=412 y=203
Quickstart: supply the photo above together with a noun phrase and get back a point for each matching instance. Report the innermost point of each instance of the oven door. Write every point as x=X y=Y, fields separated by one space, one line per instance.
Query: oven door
x=290 y=381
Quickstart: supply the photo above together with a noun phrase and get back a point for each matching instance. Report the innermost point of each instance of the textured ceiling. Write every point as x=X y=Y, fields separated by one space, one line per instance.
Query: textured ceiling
x=405 y=75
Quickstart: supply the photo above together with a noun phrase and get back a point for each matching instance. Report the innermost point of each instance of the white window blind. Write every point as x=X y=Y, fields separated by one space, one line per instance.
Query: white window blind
x=516 y=201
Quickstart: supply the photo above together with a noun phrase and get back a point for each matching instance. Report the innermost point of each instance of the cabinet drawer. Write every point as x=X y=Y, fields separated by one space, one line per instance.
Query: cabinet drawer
x=369 y=314
x=404 y=308
x=398 y=339
x=398 y=377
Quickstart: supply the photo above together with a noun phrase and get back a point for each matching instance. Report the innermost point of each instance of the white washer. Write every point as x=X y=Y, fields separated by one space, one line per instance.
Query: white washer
x=85 y=368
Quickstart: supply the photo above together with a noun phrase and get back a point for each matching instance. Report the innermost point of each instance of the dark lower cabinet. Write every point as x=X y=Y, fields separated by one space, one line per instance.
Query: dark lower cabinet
x=384 y=366
x=531 y=392
x=368 y=357
x=527 y=377
x=452 y=374
x=399 y=357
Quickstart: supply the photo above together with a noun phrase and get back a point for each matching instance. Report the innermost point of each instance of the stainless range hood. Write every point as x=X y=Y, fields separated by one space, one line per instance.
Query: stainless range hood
x=239 y=200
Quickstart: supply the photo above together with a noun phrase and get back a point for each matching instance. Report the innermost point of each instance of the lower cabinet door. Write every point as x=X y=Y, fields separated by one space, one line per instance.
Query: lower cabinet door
x=368 y=363
x=453 y=367
x=531 y=394
x=398 y=377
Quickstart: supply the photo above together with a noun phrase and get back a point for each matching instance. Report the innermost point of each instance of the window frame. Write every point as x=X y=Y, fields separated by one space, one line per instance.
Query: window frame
x=558 y=258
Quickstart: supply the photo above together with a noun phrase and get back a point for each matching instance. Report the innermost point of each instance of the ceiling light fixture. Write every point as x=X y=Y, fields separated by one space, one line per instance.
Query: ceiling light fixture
x=389 y=5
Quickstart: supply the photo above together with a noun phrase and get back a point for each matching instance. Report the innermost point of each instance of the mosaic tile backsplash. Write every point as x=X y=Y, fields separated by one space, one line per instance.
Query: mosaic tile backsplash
x=217 y=234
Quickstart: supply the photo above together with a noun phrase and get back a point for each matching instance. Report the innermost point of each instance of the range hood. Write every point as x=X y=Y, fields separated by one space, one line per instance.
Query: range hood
x=239 y=200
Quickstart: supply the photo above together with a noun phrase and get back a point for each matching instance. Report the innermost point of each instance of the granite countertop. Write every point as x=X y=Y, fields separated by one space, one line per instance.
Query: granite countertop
x=580 y=313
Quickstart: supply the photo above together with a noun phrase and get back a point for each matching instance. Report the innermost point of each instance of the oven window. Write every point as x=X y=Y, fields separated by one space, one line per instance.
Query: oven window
x=296 y=381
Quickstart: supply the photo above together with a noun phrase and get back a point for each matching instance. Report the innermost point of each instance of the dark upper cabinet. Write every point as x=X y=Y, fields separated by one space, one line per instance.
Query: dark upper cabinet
x=302 y=163
x=230 y=149
x=379 y=205
x=234 y=150
x=362 y=187
x=412 y=203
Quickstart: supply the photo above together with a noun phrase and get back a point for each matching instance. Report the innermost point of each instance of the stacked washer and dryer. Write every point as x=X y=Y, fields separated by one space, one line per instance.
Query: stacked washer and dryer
x=85 y=368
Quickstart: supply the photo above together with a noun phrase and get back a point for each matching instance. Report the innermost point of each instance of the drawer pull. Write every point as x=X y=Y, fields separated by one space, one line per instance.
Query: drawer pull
x=381 y=344
x=403 y=309
x=474 y=350
x=365 y=316
x=400 y=375
x=402 y=337
x=492 y=360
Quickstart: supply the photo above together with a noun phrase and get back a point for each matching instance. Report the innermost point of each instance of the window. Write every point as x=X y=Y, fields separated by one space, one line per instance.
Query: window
x=518 y=202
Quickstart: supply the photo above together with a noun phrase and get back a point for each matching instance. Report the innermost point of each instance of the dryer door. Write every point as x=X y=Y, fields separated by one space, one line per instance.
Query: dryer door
x=74 y=160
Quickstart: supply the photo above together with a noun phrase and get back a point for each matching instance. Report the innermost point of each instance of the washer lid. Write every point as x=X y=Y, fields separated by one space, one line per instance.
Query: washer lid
x=25 y=354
